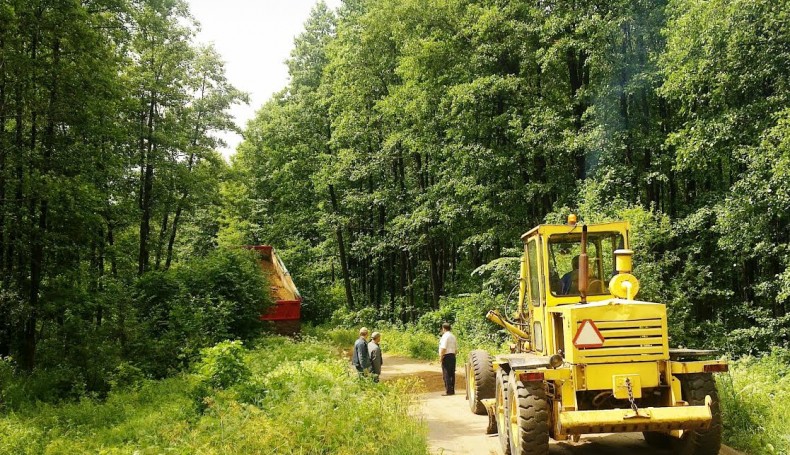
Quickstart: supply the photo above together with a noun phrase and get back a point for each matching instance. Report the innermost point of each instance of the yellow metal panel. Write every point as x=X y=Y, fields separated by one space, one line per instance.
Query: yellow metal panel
x=561 y=374
x=625 y=360
x=620 y=388
x=549 y=229
x=625 y=420
x=599 y=377
x=640 y=341
x=616 y=313
x=632 y=332
x=644 y=323
x=635 y=350
x=693 y=367
x=568 y=396
x=522 y=284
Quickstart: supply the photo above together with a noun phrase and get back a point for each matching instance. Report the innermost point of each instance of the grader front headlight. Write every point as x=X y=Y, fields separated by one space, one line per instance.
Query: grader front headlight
x=624 y=286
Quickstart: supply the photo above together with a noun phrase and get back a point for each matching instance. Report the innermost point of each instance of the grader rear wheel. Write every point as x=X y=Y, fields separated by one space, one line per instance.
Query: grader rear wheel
x=502 y=412
x=700 y=442
x=480 y=380
x=529 y=418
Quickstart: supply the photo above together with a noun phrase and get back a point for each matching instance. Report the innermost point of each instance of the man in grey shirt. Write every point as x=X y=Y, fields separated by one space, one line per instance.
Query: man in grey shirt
x=376 y=360
x=360 y=359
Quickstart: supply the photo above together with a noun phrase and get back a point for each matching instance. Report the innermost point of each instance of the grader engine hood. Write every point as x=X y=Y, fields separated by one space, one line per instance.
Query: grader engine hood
x=619 y=347
x=613 y=331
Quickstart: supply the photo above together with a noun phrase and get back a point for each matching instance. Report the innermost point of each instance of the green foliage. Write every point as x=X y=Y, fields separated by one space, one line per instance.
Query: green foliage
x=410 y=342
x=754 y=402
x=366 y=317
x=222 y=365
x=185 y=309
x=467 y=314
x=412 y=149
x=339 y=336
x=306 y=401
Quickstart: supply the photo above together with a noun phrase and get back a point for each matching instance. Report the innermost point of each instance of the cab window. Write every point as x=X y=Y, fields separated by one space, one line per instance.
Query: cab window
x=564 y=251
x=534 y=278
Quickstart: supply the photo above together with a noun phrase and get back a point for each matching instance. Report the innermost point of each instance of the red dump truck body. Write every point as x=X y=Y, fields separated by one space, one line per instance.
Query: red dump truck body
x=286 y=312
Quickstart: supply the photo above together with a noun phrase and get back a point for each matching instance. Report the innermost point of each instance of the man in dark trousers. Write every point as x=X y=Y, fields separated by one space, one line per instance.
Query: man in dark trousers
x=447 y=349
x=360 y=359
x=375 y=355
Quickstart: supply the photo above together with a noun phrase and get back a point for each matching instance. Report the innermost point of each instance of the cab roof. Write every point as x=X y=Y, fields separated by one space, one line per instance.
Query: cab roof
x=549 y=229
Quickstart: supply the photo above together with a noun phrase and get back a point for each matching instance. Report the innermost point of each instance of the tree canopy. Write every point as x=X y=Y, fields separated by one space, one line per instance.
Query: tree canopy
x=417 y=140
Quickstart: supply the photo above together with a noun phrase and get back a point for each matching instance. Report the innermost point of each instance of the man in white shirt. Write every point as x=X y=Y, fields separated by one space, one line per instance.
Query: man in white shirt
x=447 y=349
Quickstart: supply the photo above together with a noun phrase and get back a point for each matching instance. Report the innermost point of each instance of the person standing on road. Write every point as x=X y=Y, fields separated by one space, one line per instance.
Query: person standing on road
x=374 y=351
x=360 y=359
x=447 y=349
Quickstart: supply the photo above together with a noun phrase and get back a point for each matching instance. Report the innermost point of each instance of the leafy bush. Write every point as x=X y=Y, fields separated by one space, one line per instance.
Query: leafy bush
x=339 y=336
x=306 y=402
x=365 y=317
x=126 y=376
x=755 y=403
x=19 y=439
x=222 y=365
x=180 y=311
x=410 y=342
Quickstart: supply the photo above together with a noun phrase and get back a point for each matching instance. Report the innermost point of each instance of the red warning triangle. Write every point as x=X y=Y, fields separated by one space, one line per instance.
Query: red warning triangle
x=588 y=336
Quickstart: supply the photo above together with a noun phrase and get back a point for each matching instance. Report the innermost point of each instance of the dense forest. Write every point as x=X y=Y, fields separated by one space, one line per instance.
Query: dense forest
x=109 y=177
x=415 y=142
x=418 y=139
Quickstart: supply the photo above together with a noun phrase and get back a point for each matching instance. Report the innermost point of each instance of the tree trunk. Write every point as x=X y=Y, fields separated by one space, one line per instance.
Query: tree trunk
x=577 y=71
x=433 y=264
x=147 y=185
x=160 y=244
x=342 y=251
x=391 y=283
x=39 y=232
x=3 y=153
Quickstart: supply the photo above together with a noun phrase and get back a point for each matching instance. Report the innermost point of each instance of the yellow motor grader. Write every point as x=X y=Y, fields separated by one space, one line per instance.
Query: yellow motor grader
x=588 y=357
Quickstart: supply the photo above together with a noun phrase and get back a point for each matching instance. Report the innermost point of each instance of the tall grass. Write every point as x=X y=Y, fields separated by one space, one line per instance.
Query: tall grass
x=755 y=403
x=293 y=398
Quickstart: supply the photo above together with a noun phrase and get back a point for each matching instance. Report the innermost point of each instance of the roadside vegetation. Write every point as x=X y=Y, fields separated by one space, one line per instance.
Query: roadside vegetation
x=755 y=403
x=415 y=141
x=280 y=397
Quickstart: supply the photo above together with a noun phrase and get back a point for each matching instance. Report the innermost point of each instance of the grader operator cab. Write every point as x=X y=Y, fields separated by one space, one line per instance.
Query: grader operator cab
x=587 y=356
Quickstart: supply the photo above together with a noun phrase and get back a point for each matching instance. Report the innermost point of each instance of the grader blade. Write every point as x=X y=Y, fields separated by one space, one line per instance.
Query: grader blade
x=648 y=419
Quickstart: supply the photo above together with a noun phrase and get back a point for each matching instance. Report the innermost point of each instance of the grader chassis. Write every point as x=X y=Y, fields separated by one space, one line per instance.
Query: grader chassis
x=588 y=357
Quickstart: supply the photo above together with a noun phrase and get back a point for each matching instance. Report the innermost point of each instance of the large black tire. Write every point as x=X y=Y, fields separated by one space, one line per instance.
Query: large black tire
x=529 y=418
x=700 y=442
x=480 y=380
x=501 y=410
x=694 y=388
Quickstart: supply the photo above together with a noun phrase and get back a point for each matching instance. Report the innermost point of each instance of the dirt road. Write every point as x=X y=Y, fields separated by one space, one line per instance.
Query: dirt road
x=454 y=430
